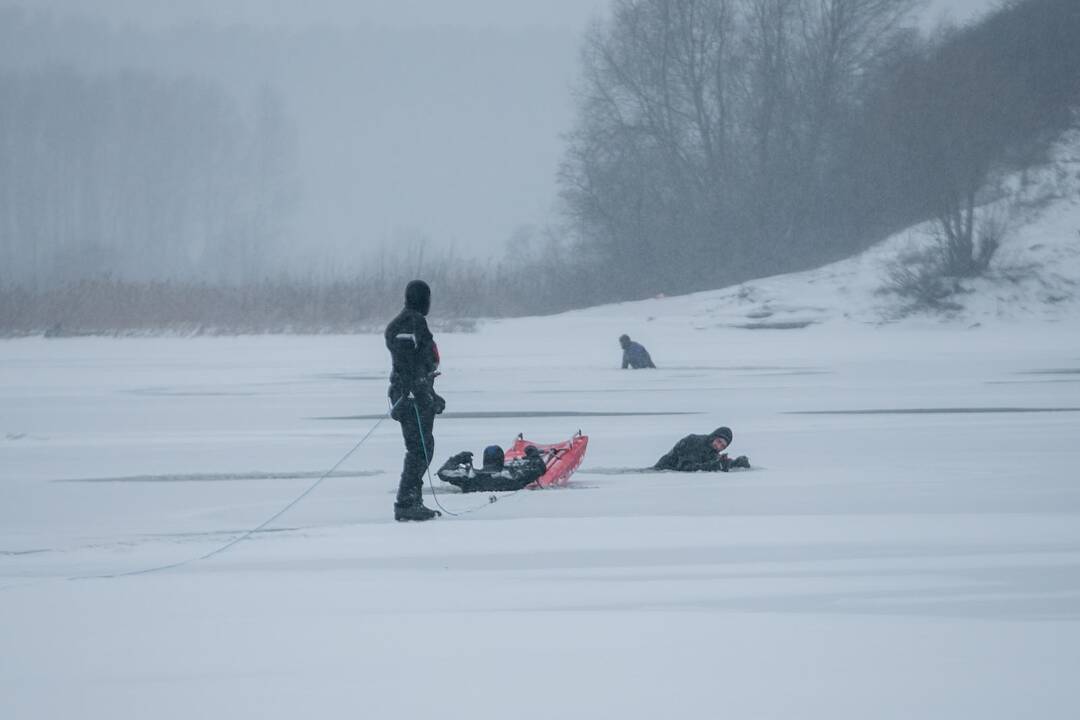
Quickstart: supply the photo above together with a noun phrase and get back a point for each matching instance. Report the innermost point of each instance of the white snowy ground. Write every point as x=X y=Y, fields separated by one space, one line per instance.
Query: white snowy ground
x=906 y=546
x=916 y=553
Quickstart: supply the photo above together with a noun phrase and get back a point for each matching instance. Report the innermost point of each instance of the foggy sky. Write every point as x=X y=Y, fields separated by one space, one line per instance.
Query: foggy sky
x=417 y=119
x=566 y=14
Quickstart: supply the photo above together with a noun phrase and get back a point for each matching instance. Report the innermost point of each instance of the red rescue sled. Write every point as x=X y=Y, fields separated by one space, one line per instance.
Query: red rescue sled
x=562 y=458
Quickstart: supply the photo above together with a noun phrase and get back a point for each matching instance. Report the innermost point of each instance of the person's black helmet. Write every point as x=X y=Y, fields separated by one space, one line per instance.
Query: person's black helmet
x=493 y=457
x=418 y=296
x=624 y=340
x=724 y=432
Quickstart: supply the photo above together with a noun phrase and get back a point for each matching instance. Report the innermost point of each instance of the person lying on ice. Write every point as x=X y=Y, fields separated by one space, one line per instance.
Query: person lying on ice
x=496 y=474
x=702 y=452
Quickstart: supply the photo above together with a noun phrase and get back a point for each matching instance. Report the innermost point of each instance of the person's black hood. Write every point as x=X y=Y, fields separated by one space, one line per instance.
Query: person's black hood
x=624 y=340
x=418 y=296
x=724 y=432
x=494 y=457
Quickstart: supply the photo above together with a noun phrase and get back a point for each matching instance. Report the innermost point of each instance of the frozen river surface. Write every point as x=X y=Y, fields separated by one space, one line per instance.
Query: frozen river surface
x=906 y=545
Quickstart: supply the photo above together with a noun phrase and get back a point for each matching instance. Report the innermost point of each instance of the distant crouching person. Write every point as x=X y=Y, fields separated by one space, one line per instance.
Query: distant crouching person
x=634 y=355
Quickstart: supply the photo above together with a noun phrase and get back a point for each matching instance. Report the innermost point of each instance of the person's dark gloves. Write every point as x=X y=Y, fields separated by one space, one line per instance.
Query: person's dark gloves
x=462 y=458
x=725 y=462
x=437 y=402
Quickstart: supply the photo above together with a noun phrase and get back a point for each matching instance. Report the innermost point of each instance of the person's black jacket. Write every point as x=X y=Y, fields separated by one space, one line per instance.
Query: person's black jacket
x=694 y=453
x=513 y=475
x=413 y=353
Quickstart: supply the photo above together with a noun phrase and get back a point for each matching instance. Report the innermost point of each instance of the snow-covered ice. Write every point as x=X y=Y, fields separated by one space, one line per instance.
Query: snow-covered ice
x=907 y=544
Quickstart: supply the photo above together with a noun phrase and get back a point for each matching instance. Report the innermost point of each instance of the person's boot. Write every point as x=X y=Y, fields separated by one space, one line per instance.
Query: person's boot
x=415 y=510
x=741 y=462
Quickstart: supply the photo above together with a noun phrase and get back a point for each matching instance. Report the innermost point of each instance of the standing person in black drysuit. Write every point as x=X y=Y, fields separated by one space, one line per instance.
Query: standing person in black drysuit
x=415 y=404
x=702 y=453
x=634 y=355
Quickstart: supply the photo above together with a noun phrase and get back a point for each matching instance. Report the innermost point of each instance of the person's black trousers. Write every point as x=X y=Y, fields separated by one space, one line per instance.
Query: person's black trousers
x=416 y=428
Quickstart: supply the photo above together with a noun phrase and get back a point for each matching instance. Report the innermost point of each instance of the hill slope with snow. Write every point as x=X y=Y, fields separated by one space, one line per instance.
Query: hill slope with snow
x=1034 y=274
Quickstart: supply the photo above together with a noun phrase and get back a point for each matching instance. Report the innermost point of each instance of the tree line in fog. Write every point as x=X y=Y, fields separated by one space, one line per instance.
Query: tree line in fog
x=720 y=140
x=133 y=175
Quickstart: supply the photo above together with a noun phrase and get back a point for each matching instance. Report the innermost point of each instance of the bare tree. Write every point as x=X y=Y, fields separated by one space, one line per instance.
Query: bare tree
x=707 y=128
